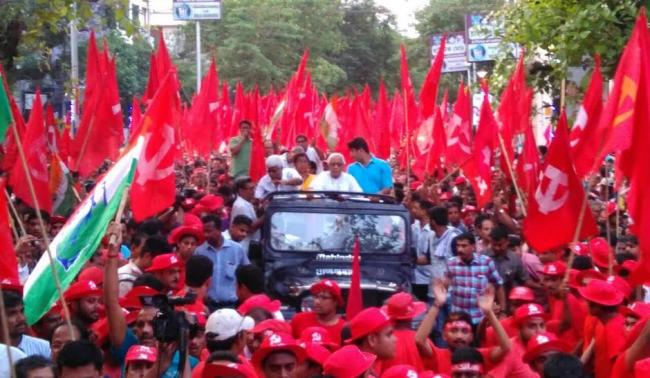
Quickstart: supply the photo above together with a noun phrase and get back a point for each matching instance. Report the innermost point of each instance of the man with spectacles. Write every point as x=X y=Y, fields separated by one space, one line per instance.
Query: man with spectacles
x=277 y=178
x=327 y=299
x=335 y=179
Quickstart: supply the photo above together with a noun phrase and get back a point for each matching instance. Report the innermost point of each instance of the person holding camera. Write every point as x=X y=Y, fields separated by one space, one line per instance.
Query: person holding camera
x=144 y=332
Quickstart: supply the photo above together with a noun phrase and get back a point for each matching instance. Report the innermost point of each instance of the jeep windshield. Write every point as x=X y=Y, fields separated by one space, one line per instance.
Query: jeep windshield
x=317 y=232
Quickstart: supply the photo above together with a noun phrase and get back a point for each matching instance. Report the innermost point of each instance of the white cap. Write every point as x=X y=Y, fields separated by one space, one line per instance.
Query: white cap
x=226 y=323
x=274 y=161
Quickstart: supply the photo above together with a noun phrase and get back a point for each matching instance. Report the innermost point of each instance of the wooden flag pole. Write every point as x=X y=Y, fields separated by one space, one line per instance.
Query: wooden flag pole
x=55 y=274
x=5 y=331
x=408 y=141
x=512 y=175
x=120 y=211
x=608 y=228
x=85 y=144
x=15 y=215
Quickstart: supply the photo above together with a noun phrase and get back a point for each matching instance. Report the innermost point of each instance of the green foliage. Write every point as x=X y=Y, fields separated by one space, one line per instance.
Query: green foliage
x=569 y=32
x=260 y=43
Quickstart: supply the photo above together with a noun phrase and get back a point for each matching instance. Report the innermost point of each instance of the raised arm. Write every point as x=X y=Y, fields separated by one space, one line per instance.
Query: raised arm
x=429 y=321
x=116 y=320
x=486 y=304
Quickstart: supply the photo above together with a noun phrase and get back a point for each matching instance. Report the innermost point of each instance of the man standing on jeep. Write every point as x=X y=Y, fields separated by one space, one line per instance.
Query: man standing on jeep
x=327 y=299
x=373 y=175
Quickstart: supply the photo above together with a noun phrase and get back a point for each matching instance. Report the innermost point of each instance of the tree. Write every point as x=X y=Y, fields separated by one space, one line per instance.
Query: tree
x=558 y=34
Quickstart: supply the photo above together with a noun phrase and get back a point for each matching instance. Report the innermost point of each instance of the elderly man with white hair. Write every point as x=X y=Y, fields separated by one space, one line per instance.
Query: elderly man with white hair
x=277 y=178
x=335 y=179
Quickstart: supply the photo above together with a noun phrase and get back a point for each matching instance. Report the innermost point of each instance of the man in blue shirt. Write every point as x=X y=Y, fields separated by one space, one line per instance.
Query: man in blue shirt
x=226 y=256
x=373 y=175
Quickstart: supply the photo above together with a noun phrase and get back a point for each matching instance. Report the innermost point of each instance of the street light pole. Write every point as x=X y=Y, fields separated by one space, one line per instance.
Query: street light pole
x=74 y=72
x=198 y=56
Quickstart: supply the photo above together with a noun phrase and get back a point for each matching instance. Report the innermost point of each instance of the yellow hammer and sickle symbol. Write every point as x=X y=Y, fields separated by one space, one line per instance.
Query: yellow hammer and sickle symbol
x=628 y=89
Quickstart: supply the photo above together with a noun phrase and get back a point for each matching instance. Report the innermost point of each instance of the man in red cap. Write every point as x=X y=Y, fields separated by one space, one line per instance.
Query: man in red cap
x=349 y=361
x=519 y=296
x=565 y=309
x=315 y=356
x=541 y=347
x=278 y=356
x=401 y=309
x=603 y=300
x=637 y=349
x=139 y=361
x=166 y=268
x=372 y=331
x=84 y=298
x=458 y=331
x=327 y=299
x=185 y=239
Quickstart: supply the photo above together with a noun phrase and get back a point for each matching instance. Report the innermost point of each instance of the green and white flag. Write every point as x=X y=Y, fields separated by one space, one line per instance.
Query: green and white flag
x=64 y=199
x=5 y=110
x=79 y=238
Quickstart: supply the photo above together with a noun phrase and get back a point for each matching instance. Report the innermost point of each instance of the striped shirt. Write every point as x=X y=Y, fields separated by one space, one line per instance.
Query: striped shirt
x=468 y=280
x=34 y=346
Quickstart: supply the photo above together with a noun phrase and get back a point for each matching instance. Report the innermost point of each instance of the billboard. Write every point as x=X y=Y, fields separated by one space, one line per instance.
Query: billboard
x=482 y=37
x=193 y=10
x=455 y=51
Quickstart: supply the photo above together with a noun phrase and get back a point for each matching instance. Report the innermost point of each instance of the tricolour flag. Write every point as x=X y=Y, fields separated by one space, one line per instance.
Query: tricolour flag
x=79 y=238
x=5 y=110
x=63 y=198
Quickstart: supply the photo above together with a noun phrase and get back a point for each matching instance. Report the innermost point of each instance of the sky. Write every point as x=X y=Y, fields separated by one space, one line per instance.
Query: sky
x=404 y=11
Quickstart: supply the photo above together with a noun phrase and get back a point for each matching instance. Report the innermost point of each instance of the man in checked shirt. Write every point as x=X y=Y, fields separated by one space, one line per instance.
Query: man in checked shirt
x=469 y=275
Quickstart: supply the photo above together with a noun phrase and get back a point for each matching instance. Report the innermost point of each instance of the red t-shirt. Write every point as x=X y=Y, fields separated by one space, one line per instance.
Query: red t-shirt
x=442 y=358
x=513 y=365
x=574 y=334
x=406 y=351
x=304 y=320
x=610 y=342
x=491 y=337
x=620 y=370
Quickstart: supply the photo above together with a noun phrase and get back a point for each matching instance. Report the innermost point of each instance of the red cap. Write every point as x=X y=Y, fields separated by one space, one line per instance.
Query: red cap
x=261 y=301
x=636 y=310
x=629 y=265
x=141 y=353
x=401 y=306
x=621 y=285
x=273 y=325
x=574 y=281
x=544 y=342
x=163 y=262
x=54 y=219
x=277 y=342
x=11 y=284
x=192 y=220
x=131 y=300
x=400 y=371
x=521 y=293
x=230 y=369
x=600 y=251
x=602 y=293
x=188 y=204
x=460 y=180
x=82 y=289
x=528 y=311
x=211 y=203
x=581 y=249
x=366 y=322
x=642 y=368
x=469 y=209
x=329 y=286
x=315 y=352
x=92 y=273
x=588 y=275
x=555 y=268
x=318 y=335
x=182 y=231
x=348 y=361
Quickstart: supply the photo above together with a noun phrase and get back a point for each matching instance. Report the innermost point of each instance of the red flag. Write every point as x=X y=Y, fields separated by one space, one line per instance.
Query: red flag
x=587 y=137
x=200 y=126
x=154 y=184
x=64 y=144
x=479 y=170
x=257 y=168
x=52 y=129
x=429 y=90
x=626 y=115
x=355 y=296
x=8 y=260
x=459 y=129
x=528 y=161
x=410 y=107
x=93 y=71
x=152 y=81
x=557 y=202
x=136 y=120
x=10 y=148
x=381 y=123
x=37 y=156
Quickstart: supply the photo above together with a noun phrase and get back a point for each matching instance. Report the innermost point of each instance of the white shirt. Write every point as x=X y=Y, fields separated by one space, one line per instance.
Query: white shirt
x=126 y=275
x=34 y=346
x=243 y=207
x=421 y=240
x=16 y=354
x=312 y=155
x=344 y=183
x=266 y=186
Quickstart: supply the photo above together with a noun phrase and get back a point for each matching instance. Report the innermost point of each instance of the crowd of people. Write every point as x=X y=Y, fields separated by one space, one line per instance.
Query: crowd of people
x=482 y=303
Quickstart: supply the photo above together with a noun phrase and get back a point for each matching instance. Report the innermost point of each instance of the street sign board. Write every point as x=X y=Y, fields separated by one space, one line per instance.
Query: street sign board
x=455 y=51
x=482 y=37
x=196 y=10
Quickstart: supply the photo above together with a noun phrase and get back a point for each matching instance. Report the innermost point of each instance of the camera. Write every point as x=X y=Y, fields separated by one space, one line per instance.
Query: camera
x=169 y=324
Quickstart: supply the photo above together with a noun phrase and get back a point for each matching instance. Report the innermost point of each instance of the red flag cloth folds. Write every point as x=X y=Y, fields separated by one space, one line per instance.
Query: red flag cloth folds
x=36 y=153
x=587 y=138
x=528 y=162
x=200 y=128
x=557 y=202
x=429 y=90
x=459 y=129
x=136 y=120
x=355 y=296
x=8 y=260
x=154 y=184
x=479 y=169
x=381 y=121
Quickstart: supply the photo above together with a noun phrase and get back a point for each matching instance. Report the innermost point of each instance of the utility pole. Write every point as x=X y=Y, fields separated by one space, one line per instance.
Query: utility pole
x=74 y=72
x=198 y=56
